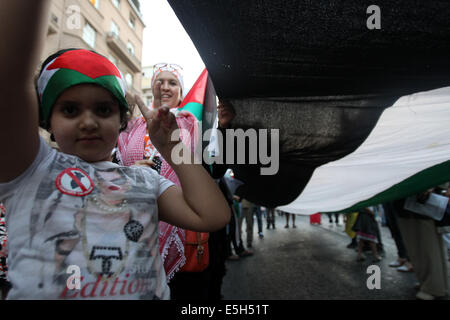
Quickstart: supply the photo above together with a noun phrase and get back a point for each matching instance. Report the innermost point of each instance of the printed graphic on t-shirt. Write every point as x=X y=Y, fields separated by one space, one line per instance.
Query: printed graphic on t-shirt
x=103 y=221
x=75 y=182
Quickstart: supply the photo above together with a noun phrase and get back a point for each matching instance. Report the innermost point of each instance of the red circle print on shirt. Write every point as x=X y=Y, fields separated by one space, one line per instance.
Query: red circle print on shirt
x=74 y=182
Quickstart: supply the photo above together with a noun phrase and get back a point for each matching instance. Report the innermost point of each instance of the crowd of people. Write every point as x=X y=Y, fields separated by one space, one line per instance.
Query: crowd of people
x=421 y=240
x=111 y=200
x=247 y=212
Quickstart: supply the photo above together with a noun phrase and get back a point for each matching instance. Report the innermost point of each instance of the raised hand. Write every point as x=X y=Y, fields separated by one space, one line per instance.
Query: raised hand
x=157 y=95
x=161 y=123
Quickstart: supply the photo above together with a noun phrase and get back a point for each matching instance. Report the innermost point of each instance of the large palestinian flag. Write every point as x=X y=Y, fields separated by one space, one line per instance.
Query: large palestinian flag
x=407 y=151
x=362 y=108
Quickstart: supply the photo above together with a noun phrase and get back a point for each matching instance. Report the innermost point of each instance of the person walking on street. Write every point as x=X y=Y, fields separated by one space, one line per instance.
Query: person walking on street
x=241 y=251
x=270 y=218
x=287 y=214
x=336 y=218
x=425 y=248
x=402 y=262
x=350 y=219
x=247 y=215
x=365 y=228
x=257 y=211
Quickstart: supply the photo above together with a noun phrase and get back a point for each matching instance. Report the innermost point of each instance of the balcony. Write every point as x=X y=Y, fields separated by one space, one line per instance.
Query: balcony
x=122 y=52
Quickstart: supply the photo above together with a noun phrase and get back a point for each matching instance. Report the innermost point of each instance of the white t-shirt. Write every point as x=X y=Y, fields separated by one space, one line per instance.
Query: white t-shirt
x=67 y=218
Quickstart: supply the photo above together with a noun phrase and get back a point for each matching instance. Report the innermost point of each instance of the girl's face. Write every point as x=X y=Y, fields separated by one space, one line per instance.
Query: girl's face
x=85 y=122
x=170 y=89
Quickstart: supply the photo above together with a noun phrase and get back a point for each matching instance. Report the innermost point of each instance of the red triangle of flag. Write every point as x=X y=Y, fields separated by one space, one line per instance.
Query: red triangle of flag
x=86 y=62
x=197 y=92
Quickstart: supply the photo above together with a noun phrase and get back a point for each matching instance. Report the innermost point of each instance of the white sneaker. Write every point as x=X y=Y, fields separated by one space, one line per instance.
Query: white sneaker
x=424 y=296
x=405 y=268
x=396 y=264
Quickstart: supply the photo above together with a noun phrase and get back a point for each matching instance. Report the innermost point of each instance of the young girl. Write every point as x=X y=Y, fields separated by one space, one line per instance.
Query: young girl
x=80 y=226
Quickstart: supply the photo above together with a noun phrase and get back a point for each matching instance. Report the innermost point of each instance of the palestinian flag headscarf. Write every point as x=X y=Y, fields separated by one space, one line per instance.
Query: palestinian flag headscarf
x=73 y=67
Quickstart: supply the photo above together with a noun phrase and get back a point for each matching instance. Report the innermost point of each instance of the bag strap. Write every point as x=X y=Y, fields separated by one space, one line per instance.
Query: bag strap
x=199 y=239
x=200 y=248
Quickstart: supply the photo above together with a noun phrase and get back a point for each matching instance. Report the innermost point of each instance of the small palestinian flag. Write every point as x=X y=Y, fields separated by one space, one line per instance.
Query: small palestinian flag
x=75 y=67
x=201 y=102
x=194 y=100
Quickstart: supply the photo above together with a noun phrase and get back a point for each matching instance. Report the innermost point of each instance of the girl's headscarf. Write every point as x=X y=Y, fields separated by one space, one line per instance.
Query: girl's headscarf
x=73 y=67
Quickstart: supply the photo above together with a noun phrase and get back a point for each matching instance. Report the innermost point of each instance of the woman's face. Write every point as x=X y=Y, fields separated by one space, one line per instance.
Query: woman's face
x=170 y=89
x=85 y=122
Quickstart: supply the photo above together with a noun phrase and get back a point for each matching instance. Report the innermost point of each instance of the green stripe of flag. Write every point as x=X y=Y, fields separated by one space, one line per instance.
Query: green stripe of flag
x=195 y=108
x=421 y=181
x=407 y=152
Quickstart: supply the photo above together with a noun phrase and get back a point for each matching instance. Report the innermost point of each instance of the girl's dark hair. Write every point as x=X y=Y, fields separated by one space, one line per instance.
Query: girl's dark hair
x=125 y=115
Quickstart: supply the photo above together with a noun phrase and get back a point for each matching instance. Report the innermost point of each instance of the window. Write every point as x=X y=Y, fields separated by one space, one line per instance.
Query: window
x=130 y=48
x=95 y=3
x=147 y=73
x=114 y=29
x=116 y=3
x=89 y=35
x=129 y=80
x=136 y=4
x=132 y=21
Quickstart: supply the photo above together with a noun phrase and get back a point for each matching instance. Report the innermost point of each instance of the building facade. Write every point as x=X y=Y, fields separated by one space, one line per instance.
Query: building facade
x=147 y=94
x=113 y=28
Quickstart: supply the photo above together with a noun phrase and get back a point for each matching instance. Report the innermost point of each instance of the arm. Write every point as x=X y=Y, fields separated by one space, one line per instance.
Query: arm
x=225 y=114
x=199 y=205
x=21 y=26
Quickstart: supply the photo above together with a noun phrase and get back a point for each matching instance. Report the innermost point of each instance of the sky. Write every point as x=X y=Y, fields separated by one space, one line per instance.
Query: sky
x=165 y=40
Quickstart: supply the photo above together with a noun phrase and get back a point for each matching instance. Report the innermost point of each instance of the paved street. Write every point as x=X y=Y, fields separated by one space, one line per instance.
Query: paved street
x=312 y=262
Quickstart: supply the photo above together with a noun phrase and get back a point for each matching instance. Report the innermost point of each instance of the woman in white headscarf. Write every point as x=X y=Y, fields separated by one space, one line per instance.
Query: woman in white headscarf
x=135 y=147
